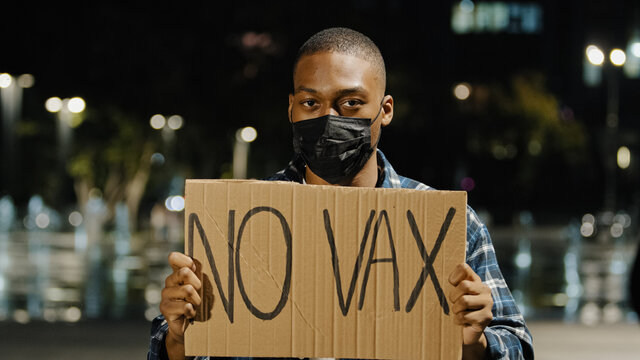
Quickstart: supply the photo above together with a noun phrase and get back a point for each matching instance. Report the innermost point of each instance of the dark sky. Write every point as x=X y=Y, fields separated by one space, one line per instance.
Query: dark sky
x=165 y=56
x=187 y=58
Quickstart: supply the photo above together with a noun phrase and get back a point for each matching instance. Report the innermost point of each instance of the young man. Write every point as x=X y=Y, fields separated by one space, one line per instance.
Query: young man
x=337 y=111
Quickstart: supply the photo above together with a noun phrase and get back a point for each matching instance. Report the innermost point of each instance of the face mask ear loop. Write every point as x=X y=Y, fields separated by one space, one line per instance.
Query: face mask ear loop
x=378 y=114
x=373 y=122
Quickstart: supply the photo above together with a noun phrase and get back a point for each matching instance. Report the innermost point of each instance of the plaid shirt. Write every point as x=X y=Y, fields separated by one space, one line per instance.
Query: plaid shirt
x=507 y=334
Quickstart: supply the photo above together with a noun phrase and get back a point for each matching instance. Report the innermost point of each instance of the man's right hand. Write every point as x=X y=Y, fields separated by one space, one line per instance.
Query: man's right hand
x=179 y=299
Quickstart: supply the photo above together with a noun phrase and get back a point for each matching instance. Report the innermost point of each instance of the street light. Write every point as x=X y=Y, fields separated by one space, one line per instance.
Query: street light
x=248 y=134
x=53 y=104
x=243 y=138
x=617 y=57
x=462 y=91
x=67 y=115
x=5 y=80
x=157 y=121
x=592 y=76
x=168 y=127
x=175 y=122
x=66 y=108
x=11 y=90
x=595 y=55
x=76 y=105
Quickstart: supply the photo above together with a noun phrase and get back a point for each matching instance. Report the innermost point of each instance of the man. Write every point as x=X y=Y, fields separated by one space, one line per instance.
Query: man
x=337 y=110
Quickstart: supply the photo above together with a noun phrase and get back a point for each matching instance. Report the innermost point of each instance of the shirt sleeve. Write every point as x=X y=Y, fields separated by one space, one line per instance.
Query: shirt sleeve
x=507 y=334
x=157 y=348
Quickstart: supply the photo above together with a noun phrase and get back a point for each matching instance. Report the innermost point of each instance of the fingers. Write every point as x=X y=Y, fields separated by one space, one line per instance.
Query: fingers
x=473 y=318
x=462 y=272
x=181 y=293
x=468 y=287
x=183 y=276
x=471 y=299
x=179 y=260
x=471 y=302
x=174 y=310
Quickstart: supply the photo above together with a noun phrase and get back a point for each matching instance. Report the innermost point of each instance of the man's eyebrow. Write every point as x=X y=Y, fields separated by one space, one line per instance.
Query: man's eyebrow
x=349 y=91
x=305 y=89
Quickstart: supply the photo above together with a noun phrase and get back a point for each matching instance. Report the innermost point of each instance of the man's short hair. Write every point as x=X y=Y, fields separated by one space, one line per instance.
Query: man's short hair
x=345 y=41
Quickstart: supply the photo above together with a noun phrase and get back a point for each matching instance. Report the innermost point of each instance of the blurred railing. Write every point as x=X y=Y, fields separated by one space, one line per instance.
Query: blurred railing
x=86 y=273
x=576 y=272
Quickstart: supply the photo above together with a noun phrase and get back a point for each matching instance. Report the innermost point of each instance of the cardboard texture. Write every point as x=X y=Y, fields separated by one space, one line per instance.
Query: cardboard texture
x=293 y=270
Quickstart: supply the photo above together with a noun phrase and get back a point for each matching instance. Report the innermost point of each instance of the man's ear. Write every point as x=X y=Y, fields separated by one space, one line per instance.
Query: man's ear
x=387 y=110
x=290 y=107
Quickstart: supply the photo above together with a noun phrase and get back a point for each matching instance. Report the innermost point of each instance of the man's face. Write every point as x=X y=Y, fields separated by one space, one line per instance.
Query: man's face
x=339 y=84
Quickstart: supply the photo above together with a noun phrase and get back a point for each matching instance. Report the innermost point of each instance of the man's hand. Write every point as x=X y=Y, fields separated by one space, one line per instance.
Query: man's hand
x=472 y=303
x=179 y=298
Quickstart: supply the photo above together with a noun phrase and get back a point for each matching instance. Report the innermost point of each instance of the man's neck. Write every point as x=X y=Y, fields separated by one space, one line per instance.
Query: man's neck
x=367 y=177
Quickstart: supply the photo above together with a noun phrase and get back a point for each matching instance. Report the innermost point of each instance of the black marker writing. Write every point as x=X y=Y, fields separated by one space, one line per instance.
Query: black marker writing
x=428 y=270
x=287 y=278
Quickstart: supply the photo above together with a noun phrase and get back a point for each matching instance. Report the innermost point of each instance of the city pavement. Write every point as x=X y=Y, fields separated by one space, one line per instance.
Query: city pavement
x=554 y=340
x=129 y=339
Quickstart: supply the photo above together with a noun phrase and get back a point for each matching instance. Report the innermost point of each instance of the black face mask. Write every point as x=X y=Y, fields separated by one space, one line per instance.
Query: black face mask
x=334 y=147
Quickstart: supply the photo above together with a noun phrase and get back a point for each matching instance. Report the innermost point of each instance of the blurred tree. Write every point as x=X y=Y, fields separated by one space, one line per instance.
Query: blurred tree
x=523 y=139
x=112 y=154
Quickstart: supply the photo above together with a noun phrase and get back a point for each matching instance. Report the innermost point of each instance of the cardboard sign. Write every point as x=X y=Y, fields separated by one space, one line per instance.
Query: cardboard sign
x=292 y=270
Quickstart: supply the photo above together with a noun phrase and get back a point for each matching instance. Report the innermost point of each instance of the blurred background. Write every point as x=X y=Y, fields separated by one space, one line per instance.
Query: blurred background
x=532 y=107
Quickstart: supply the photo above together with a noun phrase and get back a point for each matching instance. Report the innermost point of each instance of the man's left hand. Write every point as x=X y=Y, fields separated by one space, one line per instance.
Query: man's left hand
x=472 y=303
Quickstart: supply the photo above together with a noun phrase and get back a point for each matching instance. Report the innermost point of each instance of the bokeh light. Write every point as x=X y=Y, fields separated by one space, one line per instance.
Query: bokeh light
x=534 y=147
x=5 y=80
x=42 y=220
x=76 y=105
x=157 y=159
x=624 y=157
x=157 y=121
x=26 y=81
x=248 y=134
x=468 y=184
x=595 y=55
x=588 y=226
x=616 y=230
x=75 y=219
x=72 y=314
x=523 y=260
x=462 y=91
x=174 y=203
x=53 y=104
x=589 y=218
x=587 y=229
x=175 y=122
x=21 y=316
x=617 y=57
x=635 y=49
x=466 y=6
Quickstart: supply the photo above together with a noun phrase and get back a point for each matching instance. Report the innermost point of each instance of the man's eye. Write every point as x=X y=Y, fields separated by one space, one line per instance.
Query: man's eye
x=309 y=103
x=352 y=103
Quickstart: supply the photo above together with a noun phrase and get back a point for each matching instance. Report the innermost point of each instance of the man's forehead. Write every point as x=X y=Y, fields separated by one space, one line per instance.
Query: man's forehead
x=334 y=71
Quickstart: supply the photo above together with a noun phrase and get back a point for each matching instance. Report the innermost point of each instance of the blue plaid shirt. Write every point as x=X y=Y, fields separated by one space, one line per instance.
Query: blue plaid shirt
x=507 y=334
